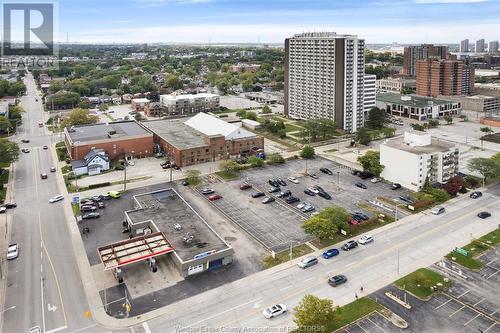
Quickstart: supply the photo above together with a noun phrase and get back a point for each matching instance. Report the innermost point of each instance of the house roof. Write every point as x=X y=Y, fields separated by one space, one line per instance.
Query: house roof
x=96 y=152
x=78 y=164
x=210 y=125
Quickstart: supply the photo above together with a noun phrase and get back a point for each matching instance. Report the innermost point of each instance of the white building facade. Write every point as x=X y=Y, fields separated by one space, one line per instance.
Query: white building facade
x=324 y=78
x=370 y=93
x=411 y=160
x=190 y=103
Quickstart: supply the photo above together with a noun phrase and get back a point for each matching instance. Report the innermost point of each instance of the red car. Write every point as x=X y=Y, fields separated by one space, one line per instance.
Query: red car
x=214 y=197
x=354 y=222
x=245 y=186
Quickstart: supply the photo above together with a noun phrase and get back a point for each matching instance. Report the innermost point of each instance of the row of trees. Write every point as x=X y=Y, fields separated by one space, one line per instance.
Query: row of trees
x=487 y=168
x=318 y=129
x=9 y=124
x=8 y=88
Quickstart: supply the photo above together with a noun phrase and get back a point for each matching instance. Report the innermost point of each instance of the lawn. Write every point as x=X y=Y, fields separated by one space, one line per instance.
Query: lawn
x=65 y=169
x=76 y=209
x=475 y=248
x=3 y=192
x=419 y=283
x=351 y=312
x=284 y=256
x=291 y=128
x=227 y=175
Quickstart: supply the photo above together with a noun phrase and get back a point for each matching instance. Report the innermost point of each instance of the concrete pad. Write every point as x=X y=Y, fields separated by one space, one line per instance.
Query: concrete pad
x=104 y=279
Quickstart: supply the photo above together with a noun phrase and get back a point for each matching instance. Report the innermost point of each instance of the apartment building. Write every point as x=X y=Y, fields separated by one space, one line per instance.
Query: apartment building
x=464 y=46
x=370 y=93
x=444 y=77
x=493 y=46
x=188 y=103
x=412 y=54
x=480 y=45
x=394 y=85
x=324 y=78
x=416 y=157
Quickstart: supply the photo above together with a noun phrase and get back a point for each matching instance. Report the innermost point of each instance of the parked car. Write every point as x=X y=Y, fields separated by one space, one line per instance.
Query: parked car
x=361 y=215
x=337 y=280
x=476 y=194
x=207 y=190
x=88 y=208
x=483 y=215
x=91 y=215
x=326 y=171
x=376 y=180
x=357 y=151
x=291 y=200
x=12 y=251
x=175 y=167
x=273 y=183
x=355 y=172
x=274 y=311
x=308 y=208
x=267 y=200
x=284 y=194
x=325 y=195
x=365 y=175
x=53 y=169
x=395 y=186
x=274 y=189
x=307 y=262
x=214 y=197
x=43 y=175
x=166 y=166
x=361 y=185
x=349 y=245
x=438 y=210
x=406 y=199
x=100 y=205
x=165 y=163
x=25 y=140
x=113 y=194
x=3 y=210
x=302 y=205
x=293 y=180
x=330 y=253
x=257 y=194
x=185 y=183
x=365 y=239
x=56 y=198
x=281 y=182
x=245 y=186
x=313 y=175
x=309 y=192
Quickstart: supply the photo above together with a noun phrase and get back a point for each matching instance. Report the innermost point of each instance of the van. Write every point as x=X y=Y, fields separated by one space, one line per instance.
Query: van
x=438 y=210
x=307 y=261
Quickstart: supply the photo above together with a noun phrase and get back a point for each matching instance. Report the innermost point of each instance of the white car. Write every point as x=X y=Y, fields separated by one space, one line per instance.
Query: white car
x=3 y=209
x=56 y=198
x=274 y=311
x=357 y=151
x=314 y=190
x=438 y=210
x=365 y=239
x=293 y=180
x=12 y=251
x=376 y=180
x=131 y=163
x=303 y=204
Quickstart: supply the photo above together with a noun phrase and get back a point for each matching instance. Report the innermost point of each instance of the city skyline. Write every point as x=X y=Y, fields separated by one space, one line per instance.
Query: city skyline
x=223 y=21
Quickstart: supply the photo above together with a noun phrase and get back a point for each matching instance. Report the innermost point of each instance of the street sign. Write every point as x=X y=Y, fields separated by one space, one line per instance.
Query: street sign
x=461 y=251
x=75 y=200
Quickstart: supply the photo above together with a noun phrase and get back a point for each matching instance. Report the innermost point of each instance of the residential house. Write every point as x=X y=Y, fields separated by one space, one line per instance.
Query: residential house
x=138 y=104
x=96 y=161
x=116 y=99
x=127 y=98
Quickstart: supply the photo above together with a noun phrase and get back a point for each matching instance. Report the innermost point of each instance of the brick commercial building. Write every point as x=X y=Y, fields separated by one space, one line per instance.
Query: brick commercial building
x=202 y=138
x=412 y=54
x=444 y=77
x=117 y=139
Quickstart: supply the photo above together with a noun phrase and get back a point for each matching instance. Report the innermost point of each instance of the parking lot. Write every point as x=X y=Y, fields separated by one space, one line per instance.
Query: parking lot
x=373 y=323
x=276 y=224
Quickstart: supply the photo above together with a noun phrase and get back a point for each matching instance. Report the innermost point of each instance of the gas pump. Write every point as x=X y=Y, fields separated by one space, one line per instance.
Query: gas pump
x=119 y=275
x=153 y=265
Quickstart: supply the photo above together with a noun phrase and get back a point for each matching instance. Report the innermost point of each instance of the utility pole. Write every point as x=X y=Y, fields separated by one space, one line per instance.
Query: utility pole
x=398 y=262
x=125 y=176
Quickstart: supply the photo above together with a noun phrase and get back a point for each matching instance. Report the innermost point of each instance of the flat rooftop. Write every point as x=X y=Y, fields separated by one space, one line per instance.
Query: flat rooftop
x=176 y=133
x=94 y=132
x=416 y=101
x=186 y=231
x=436 y=145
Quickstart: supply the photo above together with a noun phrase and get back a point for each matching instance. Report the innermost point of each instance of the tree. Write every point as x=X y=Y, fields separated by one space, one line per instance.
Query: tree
x=229 y=166
x=377 y=118
x=9 y=151
x=80 y=117
x=432 y=123
x=314 y=312
x=251 y=115
x=418 y=127
x=454 y=185
x=5 y=125
x=448 y=119
x=173 y=82
x=266 y=109
x=103 y=107
x=138 y=117
x=307 y=152
x=193 y=176
x=223 y=85
x=255 y=162
x=486 y=130
x=371 y=162
x=364 y=136
x=275 y=158
x=486 y=167
x=327 y=223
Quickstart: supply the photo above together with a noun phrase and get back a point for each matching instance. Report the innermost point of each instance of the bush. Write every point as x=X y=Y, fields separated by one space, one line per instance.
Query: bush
x=91 y=186
x=275 y=158
x=433 y=123
x=255 y=162
x=439 y=195
x=307 y=152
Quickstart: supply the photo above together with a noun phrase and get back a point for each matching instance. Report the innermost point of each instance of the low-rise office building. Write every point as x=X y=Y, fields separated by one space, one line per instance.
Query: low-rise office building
x=138 y=104
x=394 y=85
x=185 y=104
x=417 y=107
x=202 y=138
x=416 y=157
x=481 y=103
x=117 y=139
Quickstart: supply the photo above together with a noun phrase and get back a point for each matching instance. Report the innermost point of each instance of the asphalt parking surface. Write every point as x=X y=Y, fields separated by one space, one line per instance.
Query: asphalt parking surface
x=373 y=323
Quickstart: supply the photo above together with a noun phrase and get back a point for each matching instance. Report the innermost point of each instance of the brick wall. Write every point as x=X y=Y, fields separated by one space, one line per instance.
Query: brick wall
x=136 y=146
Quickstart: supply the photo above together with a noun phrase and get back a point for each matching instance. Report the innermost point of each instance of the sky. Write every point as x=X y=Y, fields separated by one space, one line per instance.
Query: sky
x=270 y=21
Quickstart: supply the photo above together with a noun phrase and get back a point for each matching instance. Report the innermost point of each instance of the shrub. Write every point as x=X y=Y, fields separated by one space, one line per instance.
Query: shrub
x=97 y=185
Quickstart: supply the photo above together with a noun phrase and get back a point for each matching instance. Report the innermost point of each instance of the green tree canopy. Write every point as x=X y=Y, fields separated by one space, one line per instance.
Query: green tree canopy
x=487 y=167
x=313 y=311
x=377 y=118
x=5 y=124
x=255 y=162
x=229 y=166
x=327 y=223
x=193 y=176
x=275 y=158
x=307 y=152
x=9 y=151
x=370 y=161
x=79 y=117
x=363 y=136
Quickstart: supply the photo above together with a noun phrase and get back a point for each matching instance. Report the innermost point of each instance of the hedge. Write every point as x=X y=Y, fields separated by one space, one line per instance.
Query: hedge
x=91 y=186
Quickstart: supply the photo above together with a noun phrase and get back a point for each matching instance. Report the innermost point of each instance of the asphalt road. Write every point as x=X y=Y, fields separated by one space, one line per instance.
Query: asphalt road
x=43 y=284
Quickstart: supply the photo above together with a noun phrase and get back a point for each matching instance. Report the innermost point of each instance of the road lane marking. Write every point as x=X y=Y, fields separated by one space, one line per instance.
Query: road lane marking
x=486 y=330
x=482 y=299
x=83 y=328
x=285 y=288
x=57 y=329
x=146 y=327
x=310 y=279
x=43 y=302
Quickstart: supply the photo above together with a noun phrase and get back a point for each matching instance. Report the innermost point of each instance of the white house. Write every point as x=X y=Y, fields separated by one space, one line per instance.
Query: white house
x=92 y=164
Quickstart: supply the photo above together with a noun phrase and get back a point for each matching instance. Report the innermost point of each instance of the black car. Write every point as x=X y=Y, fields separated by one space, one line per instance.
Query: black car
x=88 y=208
x=105 y=197
x=406 y=199
x=274 y=189
x=185 y=183
x=350 y=245
x=291 y=200
x=483 y=215
x=361 y=215
x=281 y=182
x=165 y=163
x=361 y=185
x=273 y=183
x=336 y=280
x=355 y=172
x=475 y=195
x=365 y=175
x=10 y=205
x=326 y=171
x=395 y=186
x=257 y=194
x=284 y=194
x=92 y=215
x=309 y=192
x=325 y=195
x=319 y=188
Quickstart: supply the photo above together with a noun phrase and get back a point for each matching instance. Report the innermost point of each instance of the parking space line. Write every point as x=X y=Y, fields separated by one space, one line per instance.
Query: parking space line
x=374 y=323
x=482 y=299
x=472 y=319
x=449 y=300
x=361 y=327
x=457 y=311
x=491 y=275
x=486 y=330
x=488 y=263
x=464 y=293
